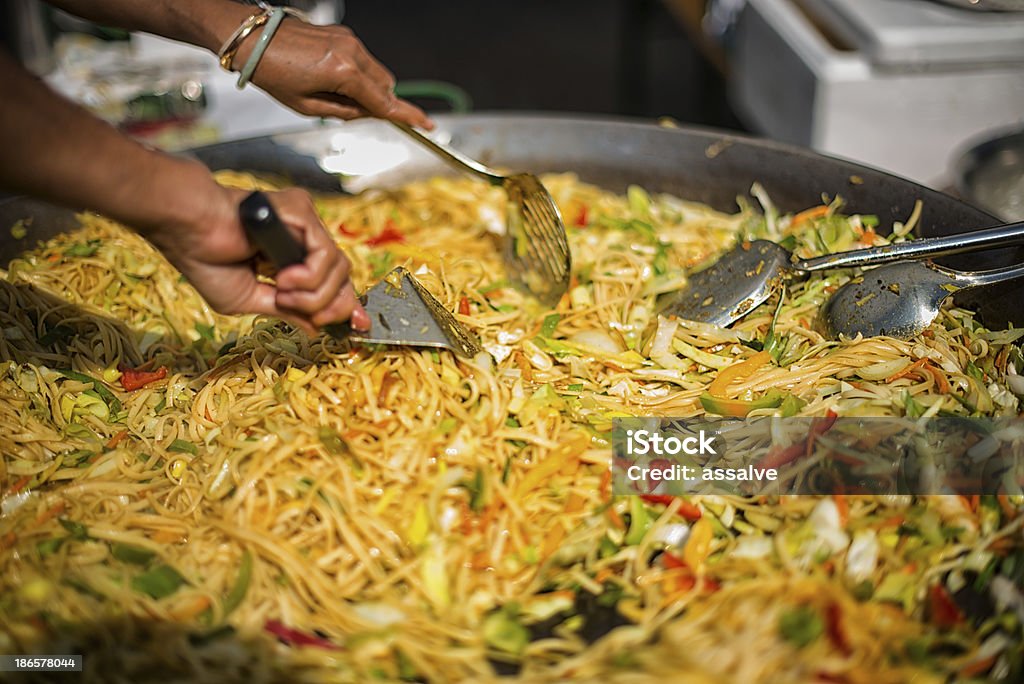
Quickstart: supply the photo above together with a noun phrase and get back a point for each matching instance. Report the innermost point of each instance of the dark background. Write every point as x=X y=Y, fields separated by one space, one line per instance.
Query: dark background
x=628 y=57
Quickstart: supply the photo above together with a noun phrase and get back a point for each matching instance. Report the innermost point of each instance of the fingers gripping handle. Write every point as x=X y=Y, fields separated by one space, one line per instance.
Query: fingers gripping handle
x=266 y=230
x=268 y=233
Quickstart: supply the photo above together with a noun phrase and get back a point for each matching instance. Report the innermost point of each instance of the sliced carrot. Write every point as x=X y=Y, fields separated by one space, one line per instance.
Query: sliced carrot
x=978 y=667
x=8 y=540
x=737 y=371
x=894 y=521
x=1008 y=509
x=906 y=371
x=843 y=506
x=20 y=484
x=50 y=513
x=192 y=609
x=808 y=214
x=941 y=383
x=615 y=519
x=165 y=537
x=116 y=439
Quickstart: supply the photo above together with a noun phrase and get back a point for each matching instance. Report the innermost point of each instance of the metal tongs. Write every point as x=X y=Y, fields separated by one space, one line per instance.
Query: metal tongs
x=535 y=250
x=402 y=312
x=745 y=277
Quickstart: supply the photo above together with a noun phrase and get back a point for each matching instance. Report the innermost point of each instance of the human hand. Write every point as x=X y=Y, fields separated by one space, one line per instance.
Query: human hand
x=327 y=71
x=215 y=255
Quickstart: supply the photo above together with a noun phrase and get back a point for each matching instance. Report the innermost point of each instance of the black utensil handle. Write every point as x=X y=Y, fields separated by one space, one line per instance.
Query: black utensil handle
x=265 y=229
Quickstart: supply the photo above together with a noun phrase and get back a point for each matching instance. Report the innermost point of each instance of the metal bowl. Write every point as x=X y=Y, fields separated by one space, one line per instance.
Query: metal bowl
x=990 y=174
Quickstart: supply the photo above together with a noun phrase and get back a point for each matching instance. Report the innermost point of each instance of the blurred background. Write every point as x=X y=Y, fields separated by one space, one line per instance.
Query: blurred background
x=909 y=86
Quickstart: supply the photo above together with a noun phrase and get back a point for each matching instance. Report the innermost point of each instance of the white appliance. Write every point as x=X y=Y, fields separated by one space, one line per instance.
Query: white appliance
x=898 y=84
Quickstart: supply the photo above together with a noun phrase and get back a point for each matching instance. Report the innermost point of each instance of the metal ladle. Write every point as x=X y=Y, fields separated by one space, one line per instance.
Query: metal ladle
x=901 y=300
x=749 y=274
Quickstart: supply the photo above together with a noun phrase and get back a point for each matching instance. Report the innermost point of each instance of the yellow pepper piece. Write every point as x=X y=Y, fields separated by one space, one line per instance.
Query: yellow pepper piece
x=420 y=526
x=698 y=545
x=737 y=371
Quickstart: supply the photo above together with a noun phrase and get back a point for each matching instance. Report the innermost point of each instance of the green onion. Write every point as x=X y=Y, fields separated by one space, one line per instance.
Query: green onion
x=205 y=331
x=332 y=441
x=112 y=402
x=639 y=201
x=182 y=447
x=83 y=249
x=128 y=553
x=241 y=585
x=503 y=631
x=48 y=547
x=160 y=582
x=639 y=521
x=801 y=626
x=77 y=530
x=547 y=329
x=575 y=387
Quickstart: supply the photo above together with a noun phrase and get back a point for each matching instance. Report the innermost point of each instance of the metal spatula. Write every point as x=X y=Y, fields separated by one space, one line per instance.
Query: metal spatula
x=748 y=275
x=536 y=250
x=402 y=312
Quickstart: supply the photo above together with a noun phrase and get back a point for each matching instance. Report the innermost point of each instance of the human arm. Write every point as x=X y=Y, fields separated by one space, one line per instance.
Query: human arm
x=316 y=70
x=51 y=148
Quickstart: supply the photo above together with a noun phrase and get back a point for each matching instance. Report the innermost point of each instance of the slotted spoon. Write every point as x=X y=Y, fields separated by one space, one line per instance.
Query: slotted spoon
x=535 y=247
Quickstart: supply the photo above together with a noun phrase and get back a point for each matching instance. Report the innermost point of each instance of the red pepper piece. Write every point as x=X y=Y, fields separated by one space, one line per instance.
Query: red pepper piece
x=388 y=235
x=294 y=637
x=834 y=627
x=582 y=218
x=132 y=379
x=686 y=509
x=943 y=610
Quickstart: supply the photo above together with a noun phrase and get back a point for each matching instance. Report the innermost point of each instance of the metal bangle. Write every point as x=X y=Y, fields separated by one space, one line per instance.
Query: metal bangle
x=226 y=55
x=276 y=17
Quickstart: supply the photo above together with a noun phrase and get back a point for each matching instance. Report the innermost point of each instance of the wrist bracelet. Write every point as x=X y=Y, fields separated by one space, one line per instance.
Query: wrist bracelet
x=276 y=17
x=234 y=41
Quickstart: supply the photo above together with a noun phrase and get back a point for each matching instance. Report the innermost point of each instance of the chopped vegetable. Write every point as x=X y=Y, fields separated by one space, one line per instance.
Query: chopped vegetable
x=547 y=329
x=503 y=631
x=159 y=582
x=389 y=235
x=737 y=371
x=182 y=447
x=112 y=402
x=77 y=530
x=801 y=626
x=295 y=637
x=131 y=554
x=241 y=585
x=132 y=379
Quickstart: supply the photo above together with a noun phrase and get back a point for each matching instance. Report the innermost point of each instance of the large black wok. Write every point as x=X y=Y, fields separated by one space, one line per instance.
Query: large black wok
x=708 y=166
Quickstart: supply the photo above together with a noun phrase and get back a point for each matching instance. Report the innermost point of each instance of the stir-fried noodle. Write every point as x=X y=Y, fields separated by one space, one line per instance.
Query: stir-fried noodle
x=279 y=507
